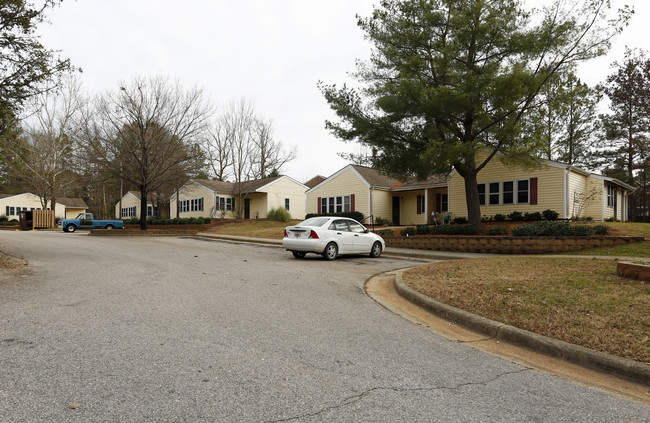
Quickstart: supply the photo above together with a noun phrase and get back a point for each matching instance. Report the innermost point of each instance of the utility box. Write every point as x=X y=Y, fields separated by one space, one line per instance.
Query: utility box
x=36 y=219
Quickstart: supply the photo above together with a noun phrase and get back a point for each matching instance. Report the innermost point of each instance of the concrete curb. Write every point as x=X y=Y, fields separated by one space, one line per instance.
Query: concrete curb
x=629 y=369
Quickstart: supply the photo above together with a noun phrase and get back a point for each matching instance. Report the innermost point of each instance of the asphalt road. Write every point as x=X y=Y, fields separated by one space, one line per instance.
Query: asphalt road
x=121 y=329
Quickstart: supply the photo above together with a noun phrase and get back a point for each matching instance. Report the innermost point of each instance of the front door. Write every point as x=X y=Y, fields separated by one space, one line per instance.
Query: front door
x=86 y=221
x=615 y=203
x=247 y=208
x=395 y=210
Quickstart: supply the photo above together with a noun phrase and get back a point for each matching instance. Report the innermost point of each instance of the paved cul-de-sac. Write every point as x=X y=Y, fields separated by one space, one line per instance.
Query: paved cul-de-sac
x=180 y=329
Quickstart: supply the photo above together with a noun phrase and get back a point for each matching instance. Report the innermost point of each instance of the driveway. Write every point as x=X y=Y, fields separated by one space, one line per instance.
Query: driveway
x=115 y=329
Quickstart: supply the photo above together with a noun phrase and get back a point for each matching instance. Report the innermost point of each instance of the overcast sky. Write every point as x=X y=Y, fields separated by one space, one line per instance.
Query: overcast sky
x=272 y=52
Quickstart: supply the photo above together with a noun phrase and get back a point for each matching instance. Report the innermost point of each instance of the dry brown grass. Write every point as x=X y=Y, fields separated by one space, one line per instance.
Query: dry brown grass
x=252 y=228
x=582 y=301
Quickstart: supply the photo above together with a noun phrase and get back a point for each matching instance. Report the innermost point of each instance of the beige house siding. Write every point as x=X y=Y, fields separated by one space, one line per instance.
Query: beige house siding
x=346 y=183
x=71 y=212
x=31 y=201
x=191 y=191
x=408 y=208
x=280 y=190
x=578 y=195
x=382 y=204
x=258 y=205
x=594 y=201
x=128 y=200
x=550 y=189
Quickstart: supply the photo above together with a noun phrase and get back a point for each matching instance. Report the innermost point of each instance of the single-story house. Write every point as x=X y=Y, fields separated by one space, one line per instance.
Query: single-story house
x=66 y=208
x=130 y=205
x=570 y=191
x=220 y=199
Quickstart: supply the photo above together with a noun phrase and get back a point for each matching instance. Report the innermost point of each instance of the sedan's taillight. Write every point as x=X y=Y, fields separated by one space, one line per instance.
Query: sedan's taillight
x=285 y=233
x=313 y=235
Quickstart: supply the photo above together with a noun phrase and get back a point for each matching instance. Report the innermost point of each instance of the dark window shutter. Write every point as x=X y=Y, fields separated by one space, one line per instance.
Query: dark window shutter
x=419 y=204
x=533 y=191
x=319 y=211
x=352 y=203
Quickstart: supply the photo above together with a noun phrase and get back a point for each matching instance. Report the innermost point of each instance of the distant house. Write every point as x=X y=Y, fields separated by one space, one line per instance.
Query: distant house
x=219 y=199
x=366 y=190
x=66 y=208
x=157 y=206
x=570 y=191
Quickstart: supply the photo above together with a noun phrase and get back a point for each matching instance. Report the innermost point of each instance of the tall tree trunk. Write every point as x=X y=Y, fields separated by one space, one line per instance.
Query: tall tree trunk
x=143 y=207
x=471 y=198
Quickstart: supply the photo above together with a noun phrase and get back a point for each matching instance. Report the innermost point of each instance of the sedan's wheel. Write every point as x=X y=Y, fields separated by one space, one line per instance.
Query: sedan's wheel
x=70 y=228
x=376 y=250
x=299 y=254
x=331 y=251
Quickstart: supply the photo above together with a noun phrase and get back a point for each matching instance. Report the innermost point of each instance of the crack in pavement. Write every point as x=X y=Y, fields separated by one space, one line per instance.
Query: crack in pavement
x=359 y=397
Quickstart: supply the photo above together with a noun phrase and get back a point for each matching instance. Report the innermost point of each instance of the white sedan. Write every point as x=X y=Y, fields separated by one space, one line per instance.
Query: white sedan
x=331 y=236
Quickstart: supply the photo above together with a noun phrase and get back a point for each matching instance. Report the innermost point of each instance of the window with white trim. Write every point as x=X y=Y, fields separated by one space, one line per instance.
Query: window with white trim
x=523 y=191
x=444 y=203
x=504 y=193
x=225 y=203
x=286 y=204
x=336 y=204
x=193 y=205
x=128 y=211
x=611 y=192
x=11 y=211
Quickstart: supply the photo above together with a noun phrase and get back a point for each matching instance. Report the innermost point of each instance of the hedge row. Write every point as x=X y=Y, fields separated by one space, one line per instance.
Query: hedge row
x=543 y=228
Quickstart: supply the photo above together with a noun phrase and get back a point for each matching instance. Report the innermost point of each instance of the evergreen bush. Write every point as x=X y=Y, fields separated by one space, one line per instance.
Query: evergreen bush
x=549 y=214
x=548 y=228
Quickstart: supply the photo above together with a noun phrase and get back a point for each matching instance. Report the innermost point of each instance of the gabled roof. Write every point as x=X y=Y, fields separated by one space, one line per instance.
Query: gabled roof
x=314 y=181
x=151 y=197
x=248 y=187
x=76 y=203
x=375 y=178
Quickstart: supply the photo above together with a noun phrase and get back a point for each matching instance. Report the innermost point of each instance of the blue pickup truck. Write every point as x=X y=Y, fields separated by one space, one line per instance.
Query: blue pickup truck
x=86 y=221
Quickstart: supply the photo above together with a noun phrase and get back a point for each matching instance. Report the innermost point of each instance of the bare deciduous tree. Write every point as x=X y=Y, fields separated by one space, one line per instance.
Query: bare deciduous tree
x=45 y=150
x=145 y=133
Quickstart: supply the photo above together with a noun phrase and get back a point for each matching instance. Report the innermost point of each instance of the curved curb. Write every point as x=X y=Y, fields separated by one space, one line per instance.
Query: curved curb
x=629 y=369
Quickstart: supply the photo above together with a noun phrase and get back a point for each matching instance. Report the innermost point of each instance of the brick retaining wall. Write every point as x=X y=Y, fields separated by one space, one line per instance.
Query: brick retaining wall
x=505 y=244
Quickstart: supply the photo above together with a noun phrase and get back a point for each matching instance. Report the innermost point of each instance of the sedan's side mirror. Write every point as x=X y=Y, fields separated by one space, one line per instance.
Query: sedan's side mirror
x=365 y=231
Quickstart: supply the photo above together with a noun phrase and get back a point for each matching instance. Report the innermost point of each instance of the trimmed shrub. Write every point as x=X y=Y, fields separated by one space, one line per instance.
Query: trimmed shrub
x=380 y=221
x=611 y=219
x=516 y=216
x=459 y=220
x=601 y=229
x=549 y=214
x=534 y=216
x=499 y=217
x=547 y=228
x=407 y=231
x=499 y=230
x=279 y=214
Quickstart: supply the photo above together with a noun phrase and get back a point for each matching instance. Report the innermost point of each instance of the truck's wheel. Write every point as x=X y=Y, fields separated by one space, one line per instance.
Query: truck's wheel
x=70 y=228
x=109 y=226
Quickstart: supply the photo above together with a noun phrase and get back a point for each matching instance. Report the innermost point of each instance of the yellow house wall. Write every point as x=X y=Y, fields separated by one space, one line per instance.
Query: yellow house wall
x=550 y=193
x=259 y=205
x=346 y=183
x=30 y=201
x=596 y=201
x=192 y=191
x=71 y=213
x=128 y=200
x=408 y=208
x=576 y=206
x=285 y=188
x=382 y=204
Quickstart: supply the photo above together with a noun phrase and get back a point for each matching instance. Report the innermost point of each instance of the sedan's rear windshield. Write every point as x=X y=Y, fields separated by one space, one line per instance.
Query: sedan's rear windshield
x=314 y=221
